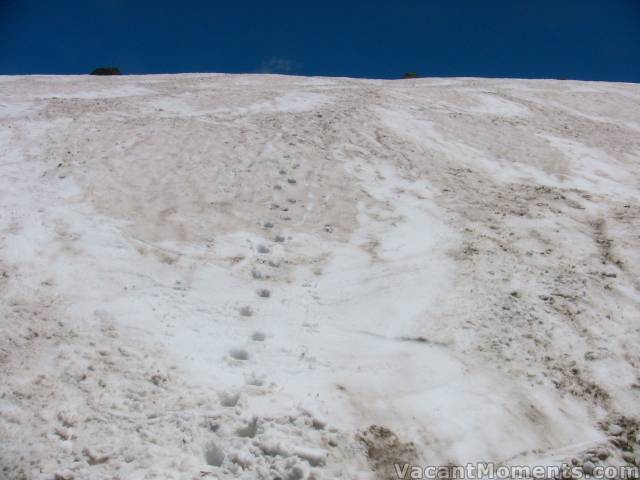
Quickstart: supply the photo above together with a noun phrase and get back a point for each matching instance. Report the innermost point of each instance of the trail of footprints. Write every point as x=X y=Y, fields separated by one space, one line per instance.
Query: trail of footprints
x=214 y=454
x=263 y=257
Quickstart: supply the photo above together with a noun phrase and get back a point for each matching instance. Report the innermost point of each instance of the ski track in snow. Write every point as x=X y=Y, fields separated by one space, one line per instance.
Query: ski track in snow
x=256 y=276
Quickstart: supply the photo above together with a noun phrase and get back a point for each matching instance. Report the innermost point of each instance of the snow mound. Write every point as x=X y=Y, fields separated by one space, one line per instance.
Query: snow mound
x=256 y=276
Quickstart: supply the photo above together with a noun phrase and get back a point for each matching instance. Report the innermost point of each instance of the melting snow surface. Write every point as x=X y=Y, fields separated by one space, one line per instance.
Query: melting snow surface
x=218 y=276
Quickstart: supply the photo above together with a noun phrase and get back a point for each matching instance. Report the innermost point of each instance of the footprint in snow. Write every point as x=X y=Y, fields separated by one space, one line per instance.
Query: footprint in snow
x=257 y=274
x=249 y=430
x=239 y=354
x=229 y=399
x=258 y=337
x=255 y=379
x=213 y=454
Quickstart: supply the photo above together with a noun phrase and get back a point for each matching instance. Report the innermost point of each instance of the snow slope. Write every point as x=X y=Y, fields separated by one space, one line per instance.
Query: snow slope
x=257 y=276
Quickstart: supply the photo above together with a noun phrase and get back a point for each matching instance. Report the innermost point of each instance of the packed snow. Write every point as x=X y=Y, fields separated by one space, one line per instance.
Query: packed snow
x=261 y=277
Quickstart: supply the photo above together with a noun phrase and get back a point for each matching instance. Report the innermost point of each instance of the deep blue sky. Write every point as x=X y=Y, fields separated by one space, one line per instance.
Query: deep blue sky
x=577 y=39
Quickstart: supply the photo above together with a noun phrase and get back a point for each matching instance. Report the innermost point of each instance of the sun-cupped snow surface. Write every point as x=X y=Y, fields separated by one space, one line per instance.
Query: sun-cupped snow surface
x=257 y=276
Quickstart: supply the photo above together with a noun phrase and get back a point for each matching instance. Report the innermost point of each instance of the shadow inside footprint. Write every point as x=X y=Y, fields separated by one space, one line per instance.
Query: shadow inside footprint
x=248 y=431
x=213 y=454
x=258 y=336
x=239 y=354
x=255 y=379
x=229 y=399
x=257 y=274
